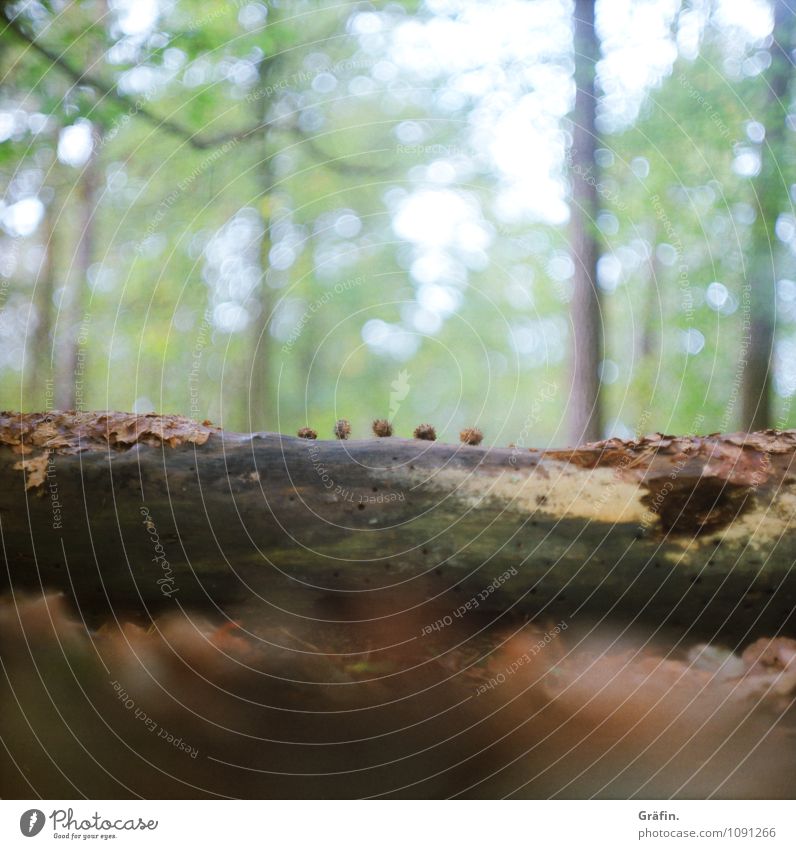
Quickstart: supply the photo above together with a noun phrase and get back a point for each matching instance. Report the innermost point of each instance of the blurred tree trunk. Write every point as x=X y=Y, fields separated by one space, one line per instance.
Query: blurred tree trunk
x=584 y=411
x=69 y=367
x=39 y=351
x=648 y=342
x=771 y=198
x=259 y=396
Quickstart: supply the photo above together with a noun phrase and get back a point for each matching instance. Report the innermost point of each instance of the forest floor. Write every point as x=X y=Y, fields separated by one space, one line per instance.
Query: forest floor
x=188 y=706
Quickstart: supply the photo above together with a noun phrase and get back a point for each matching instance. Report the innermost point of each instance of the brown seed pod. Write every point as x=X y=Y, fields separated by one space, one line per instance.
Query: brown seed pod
x=471 y=436
x=381 y=427
x=307 y=433
x=425 y=431
x=342 y=428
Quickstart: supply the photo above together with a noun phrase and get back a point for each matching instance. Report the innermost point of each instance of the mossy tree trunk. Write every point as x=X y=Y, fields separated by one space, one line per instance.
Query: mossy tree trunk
x=146 y=511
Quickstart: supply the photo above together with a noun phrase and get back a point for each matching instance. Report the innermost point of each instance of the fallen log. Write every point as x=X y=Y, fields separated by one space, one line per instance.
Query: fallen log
x=143 y=511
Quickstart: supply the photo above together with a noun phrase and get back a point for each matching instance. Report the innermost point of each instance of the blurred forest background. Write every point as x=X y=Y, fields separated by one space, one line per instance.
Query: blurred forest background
x=554 y=220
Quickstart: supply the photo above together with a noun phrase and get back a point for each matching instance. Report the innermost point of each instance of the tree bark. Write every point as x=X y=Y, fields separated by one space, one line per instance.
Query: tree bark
x=771 y=198
x=584 y=410
x=145 y=512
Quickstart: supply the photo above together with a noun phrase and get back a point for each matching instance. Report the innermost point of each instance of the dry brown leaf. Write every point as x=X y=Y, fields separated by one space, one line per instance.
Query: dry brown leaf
x=35 y=468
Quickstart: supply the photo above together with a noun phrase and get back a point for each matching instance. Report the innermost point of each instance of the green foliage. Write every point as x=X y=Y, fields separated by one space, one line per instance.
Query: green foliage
x=286 y=237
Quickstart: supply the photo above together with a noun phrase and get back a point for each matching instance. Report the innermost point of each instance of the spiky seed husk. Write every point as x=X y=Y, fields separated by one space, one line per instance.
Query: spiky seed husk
x=381 y=427
x=425 y=431
x=471 y=436
x=342 y=428
x=307 y=433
